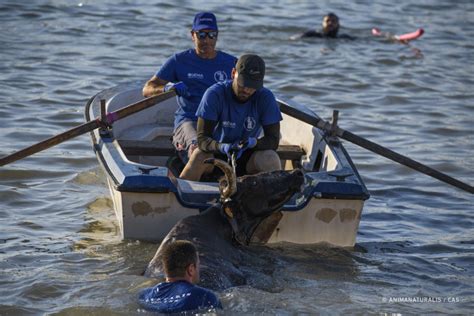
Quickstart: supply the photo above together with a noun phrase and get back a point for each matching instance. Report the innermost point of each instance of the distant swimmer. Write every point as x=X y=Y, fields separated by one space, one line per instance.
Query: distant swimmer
x=329 y=30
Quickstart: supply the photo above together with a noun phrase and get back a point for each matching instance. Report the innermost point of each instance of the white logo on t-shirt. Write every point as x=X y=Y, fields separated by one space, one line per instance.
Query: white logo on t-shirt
x=195 y=76
x=249 y=123
x=220 y=76
x=228 y=124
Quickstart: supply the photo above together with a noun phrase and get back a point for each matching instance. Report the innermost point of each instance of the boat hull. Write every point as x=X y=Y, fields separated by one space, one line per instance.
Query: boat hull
x=149 y=200
x=328 y=221
x=147 y=216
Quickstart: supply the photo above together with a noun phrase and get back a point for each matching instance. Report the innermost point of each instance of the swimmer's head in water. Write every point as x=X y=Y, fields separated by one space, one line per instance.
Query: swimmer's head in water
x=330 y=25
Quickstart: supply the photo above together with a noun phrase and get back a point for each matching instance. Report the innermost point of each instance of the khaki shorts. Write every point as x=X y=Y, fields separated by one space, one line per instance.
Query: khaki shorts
x=185 y=135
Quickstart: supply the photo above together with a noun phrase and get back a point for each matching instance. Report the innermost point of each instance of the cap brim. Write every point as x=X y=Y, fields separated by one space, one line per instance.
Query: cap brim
x=204 y=27
x=249 y=83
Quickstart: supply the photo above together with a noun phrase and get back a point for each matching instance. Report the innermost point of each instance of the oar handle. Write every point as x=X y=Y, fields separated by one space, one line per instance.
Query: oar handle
x=139 y=106
x=316 y=121
x=86 y=127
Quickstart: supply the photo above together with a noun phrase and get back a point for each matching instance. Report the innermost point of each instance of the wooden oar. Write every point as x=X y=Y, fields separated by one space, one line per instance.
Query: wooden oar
x=335 y=130
x=87 y=127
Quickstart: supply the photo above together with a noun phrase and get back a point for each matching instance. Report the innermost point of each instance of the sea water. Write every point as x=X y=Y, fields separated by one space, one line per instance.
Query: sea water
x=60 y=250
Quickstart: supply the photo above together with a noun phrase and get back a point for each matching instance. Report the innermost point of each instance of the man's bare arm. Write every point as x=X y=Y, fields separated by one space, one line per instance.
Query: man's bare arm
x=153 y=86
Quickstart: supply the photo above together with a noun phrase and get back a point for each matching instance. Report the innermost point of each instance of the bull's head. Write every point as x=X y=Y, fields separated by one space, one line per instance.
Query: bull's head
x=248 y=200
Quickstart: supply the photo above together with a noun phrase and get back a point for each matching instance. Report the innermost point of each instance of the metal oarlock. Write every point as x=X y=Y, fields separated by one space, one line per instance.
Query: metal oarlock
x=105 y=126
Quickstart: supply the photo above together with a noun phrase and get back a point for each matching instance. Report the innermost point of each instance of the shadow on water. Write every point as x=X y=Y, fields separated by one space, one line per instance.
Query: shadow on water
x=269 y=269
x=368 y=279
x=280 y=277
x=314 y=262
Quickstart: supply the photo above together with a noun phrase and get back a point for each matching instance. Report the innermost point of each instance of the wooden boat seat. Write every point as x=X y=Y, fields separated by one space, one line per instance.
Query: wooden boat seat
x=158 y=147
x=162 y=146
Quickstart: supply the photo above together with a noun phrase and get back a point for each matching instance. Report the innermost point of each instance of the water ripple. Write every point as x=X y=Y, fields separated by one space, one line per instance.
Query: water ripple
x=60 y=248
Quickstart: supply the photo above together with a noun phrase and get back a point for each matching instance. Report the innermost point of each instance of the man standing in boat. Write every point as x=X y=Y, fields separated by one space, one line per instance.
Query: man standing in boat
x=190 y=73
x=232 y=117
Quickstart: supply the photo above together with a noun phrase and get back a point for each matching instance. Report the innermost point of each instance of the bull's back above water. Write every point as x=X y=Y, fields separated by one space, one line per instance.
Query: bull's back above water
x=224 y=261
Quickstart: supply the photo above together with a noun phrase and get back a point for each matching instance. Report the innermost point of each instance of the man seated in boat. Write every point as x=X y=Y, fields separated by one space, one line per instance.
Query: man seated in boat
x=329 y=30
x=190 y=73
x=179 y=293
x=231 y=117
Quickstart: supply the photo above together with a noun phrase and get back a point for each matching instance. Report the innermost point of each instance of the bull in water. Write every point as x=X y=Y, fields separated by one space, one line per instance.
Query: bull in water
x=248 y=212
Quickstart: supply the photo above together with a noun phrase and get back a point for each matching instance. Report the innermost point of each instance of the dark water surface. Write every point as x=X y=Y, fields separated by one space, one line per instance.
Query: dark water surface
x=59 y=247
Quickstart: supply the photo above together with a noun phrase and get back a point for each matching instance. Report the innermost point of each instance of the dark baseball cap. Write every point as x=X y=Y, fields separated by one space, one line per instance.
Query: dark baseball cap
x=205 y=21
x=251 y=70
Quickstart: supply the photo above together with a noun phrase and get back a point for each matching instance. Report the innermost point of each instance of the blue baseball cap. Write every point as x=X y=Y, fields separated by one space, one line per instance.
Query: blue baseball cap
x=205 y=21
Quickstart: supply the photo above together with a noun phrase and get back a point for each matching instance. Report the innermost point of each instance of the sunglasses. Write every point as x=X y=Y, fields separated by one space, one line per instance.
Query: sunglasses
x=202 y=35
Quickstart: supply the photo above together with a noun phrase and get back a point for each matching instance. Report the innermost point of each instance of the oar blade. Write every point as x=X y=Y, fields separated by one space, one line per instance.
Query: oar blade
x=86 y=127
x=50 y=142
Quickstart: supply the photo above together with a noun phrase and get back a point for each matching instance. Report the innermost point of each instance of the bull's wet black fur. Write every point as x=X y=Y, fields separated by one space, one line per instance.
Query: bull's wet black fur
x=224 y=263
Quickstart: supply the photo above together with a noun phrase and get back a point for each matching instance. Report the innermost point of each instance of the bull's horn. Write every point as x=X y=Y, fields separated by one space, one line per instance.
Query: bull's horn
x=229 y=175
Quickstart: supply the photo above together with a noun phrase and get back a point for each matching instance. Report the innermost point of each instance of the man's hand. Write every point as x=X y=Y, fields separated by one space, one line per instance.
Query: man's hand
x=251 y=142
x=180 y=88
x=228 y=149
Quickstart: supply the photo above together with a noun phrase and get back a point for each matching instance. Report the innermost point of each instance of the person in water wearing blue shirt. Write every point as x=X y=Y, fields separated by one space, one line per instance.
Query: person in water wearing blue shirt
x=190 y=73
x=178 y=294
x=239 y=116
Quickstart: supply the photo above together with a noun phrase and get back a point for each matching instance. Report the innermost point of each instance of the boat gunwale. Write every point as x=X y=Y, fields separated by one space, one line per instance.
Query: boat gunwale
x=334 y=144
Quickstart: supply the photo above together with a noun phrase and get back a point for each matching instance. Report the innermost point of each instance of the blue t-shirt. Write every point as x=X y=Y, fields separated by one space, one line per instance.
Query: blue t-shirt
x=197 y=74
x=179 y=296
x=238 y=121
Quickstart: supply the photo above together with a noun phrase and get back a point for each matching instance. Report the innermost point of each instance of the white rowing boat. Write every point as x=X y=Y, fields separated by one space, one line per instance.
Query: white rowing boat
x=141 y=168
